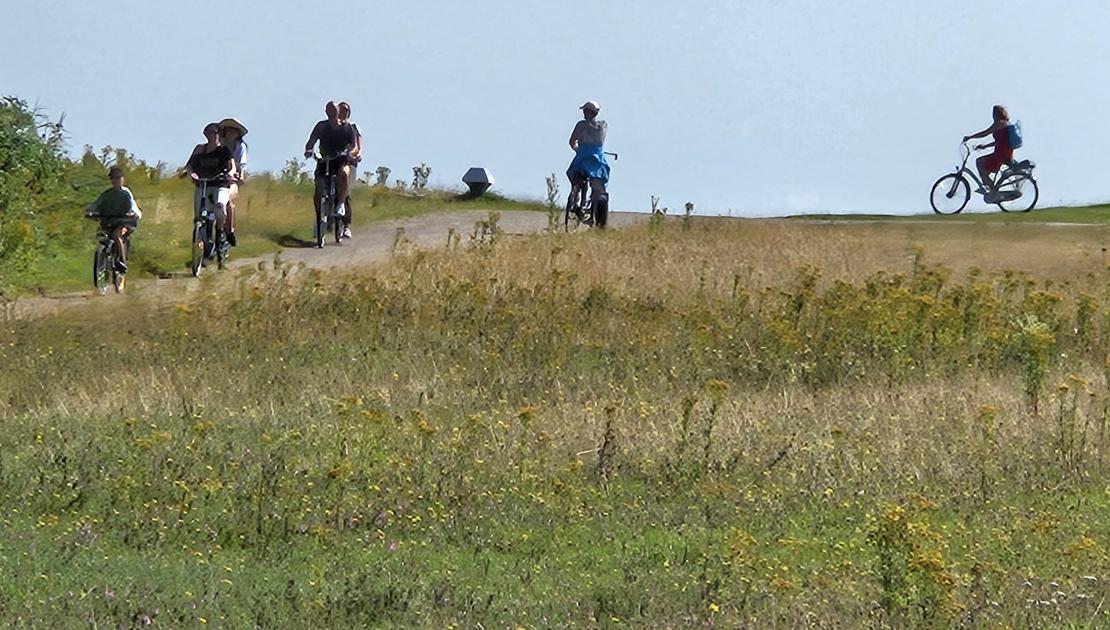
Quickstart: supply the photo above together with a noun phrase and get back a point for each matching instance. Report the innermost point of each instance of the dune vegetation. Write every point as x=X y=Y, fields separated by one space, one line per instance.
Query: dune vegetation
x=700 y=422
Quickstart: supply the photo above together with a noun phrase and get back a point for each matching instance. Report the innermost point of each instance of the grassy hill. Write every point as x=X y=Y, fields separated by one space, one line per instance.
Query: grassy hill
x=728 y=423
x=272 y=214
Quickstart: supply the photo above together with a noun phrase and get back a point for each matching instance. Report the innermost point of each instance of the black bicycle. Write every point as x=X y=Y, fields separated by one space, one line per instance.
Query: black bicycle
x=326 y=217
x=105 y=269
x=209 y=241
x=1015 y=189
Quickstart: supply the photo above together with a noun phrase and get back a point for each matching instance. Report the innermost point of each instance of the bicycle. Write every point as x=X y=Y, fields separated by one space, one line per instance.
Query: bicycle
x=326 y=216
x=579 y=208
x=104 y=270
x=208 y=241
x=1016 y=190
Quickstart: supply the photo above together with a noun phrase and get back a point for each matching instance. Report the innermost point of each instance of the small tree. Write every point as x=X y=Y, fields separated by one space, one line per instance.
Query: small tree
x=291 y=172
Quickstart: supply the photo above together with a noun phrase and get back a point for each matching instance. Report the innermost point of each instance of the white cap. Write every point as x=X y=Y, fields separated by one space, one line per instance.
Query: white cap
x=592 y=106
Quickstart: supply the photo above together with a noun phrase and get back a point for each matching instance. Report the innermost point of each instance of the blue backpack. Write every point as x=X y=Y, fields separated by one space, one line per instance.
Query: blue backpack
x=1014 y=132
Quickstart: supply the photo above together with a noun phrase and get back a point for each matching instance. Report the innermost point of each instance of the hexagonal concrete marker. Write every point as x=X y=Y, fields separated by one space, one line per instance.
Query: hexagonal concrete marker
x=478 y=180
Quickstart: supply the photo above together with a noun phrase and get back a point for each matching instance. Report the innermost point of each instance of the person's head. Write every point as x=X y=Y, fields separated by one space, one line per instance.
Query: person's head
x=212 y=133
x=344 y=110
x=590 y=110
x=331 y=111
x=115 y=175
x=231 y=130
x=999 y=112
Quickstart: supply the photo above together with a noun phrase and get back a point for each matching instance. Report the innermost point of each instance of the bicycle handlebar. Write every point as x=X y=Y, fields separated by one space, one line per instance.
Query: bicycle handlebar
x=318 y=156
x=208 y=180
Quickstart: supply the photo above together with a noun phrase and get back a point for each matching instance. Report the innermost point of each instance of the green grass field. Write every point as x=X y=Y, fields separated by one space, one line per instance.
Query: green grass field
x=726 y=423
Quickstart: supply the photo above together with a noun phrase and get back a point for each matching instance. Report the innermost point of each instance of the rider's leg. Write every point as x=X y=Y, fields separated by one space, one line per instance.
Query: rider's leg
x=342 y=179
x=117 y=234
x=220 y=199
x=234 y=194
x=983 y=165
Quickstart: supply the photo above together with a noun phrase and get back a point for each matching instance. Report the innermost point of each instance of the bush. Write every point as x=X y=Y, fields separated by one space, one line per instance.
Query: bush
x=32 y=162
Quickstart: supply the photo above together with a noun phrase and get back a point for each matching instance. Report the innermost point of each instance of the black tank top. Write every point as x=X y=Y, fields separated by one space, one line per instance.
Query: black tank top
x=212 y=165
x=333 y=140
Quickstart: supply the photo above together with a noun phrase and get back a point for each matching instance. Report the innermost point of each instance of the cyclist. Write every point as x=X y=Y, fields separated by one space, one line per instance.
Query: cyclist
x=588 y=141
x=231 y=136
x=337 y=140
x=212 y=161
x=356 y=157
x=118 y=213
x=1003 y=152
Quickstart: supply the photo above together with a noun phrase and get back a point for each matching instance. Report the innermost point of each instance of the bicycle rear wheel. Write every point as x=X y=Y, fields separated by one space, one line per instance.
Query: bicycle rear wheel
x=950 y=194
x=601 y=213
x=101 y=270
x=1020 y=191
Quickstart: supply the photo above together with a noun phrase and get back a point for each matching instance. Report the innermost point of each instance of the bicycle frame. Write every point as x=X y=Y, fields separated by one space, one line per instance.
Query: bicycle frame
x=205 y=227
x=963 y=169
x=329 y=203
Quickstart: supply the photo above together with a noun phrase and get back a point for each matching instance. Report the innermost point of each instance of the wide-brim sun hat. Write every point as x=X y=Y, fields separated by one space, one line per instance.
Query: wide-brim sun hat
x=232 y=123
x=591 y=105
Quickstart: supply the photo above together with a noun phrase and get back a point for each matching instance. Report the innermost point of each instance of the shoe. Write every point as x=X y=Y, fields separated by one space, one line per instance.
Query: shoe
x=347 y=232
x=121 y=267
x=231 y=240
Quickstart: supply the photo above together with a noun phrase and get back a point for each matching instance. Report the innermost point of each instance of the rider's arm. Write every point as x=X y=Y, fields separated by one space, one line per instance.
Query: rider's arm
x=358 y=144
x=574 y=137
x=135 y=210
x=986 y=132
x=312 y=138
x=94 y=207
x=188 y=168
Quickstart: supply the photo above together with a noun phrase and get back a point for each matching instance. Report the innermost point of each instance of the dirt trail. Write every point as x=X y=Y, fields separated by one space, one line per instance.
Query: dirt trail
x=372 y=243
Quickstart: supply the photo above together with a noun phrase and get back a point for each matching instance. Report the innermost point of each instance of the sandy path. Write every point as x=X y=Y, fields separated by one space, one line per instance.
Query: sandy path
x=372 y=243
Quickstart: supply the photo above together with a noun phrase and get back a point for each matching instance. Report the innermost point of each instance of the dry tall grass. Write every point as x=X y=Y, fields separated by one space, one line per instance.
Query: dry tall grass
x=738 y=424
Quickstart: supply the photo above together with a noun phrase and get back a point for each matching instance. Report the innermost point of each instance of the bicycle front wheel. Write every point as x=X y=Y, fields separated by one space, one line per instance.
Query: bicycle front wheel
x=198 y=248
x=950 y=194
x=322 y=221
x=101 y=268
x=1019 y=191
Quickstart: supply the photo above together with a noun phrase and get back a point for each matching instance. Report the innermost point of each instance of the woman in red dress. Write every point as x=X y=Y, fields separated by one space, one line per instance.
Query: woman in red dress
x=1003 y=152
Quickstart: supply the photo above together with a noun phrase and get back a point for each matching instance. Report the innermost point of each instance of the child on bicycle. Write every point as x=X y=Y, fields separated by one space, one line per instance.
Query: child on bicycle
x=118 y=212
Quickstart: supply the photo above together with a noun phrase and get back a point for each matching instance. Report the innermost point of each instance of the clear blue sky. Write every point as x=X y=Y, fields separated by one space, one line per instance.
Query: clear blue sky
x=750 y=106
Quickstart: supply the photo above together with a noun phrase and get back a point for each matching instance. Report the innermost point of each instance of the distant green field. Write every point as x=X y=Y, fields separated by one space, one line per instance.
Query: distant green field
x=1075 y=214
